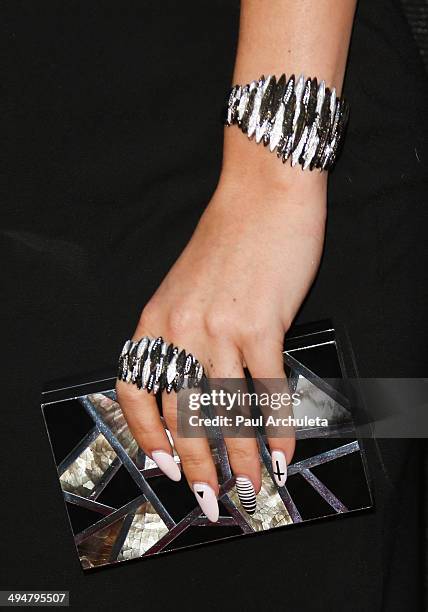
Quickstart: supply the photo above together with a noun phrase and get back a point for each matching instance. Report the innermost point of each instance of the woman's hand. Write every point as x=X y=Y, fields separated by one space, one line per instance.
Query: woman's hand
x=229 y=299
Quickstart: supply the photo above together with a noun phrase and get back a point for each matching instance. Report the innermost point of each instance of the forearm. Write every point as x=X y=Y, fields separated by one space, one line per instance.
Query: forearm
x=309 y=37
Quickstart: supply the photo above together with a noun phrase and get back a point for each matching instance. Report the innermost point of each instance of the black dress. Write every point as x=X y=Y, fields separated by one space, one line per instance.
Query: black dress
x=109 y=172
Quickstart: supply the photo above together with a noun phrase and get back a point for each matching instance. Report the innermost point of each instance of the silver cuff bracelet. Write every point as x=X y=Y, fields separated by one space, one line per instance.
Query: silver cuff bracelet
x=302 y=120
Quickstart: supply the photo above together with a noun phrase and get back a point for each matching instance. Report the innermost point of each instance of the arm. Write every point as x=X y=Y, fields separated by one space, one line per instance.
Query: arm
x=292 y=37
x=237 y=286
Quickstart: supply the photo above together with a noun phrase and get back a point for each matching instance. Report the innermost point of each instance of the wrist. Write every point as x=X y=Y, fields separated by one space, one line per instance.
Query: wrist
x=256 y=168
x=256 y=195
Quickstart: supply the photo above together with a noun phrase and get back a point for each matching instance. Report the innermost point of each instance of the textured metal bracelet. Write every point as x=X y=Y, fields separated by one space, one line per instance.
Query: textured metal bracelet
x=155 y=365
x=301 y=119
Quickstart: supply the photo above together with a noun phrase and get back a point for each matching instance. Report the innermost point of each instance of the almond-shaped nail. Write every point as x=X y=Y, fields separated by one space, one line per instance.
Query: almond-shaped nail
x=166 y=463
x=279 y=467
x=246 y=494
x=207 y=500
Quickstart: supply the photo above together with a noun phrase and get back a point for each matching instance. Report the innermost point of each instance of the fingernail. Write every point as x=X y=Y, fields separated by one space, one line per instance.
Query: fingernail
x=279 y=467
x=166 y=463
x=207 y=500
x=246 y=494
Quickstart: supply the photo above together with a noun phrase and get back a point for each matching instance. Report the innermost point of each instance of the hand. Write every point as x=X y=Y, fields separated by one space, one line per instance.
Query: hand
x=229 y=299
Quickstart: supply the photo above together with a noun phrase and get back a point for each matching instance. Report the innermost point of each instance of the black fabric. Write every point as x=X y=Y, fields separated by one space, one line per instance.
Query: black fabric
x=108 y=171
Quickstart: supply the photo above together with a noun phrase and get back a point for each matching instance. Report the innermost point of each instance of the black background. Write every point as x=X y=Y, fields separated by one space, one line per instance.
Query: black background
x=112 y=150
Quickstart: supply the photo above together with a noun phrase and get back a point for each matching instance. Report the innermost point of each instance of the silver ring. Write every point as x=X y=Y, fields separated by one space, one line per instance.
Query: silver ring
x=155 y=365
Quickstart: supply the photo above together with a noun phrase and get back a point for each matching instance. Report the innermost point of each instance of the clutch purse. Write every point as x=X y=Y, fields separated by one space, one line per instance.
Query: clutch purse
x=120 y=506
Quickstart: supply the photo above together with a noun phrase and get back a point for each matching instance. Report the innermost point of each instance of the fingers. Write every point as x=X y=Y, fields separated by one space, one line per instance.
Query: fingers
x=267 y=370
x=243 y=452
x=143 y=417
x=224 y=361
x=196 y=460
x=142 y=414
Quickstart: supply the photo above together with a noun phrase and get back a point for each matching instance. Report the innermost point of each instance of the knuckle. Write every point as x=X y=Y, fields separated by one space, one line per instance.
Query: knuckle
x=263 y=333
x=179 y=320
x=217 y=323
x=255 y=332
x=148 y=317
x=262 y=327
x=194 y=461
x=242 y=454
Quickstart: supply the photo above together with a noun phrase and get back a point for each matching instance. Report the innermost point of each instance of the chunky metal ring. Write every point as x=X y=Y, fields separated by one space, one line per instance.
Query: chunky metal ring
x=155 y=365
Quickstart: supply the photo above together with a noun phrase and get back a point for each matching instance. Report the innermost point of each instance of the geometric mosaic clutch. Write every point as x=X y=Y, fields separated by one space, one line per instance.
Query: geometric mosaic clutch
x=121 y=506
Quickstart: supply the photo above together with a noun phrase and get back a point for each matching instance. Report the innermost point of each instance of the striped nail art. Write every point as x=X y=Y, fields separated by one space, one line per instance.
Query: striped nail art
x=246 y=493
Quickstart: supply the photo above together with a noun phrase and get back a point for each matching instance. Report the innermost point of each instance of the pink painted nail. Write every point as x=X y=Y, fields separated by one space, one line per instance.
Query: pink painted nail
x=166 y=463
x=279 y=467
x=207 y=500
